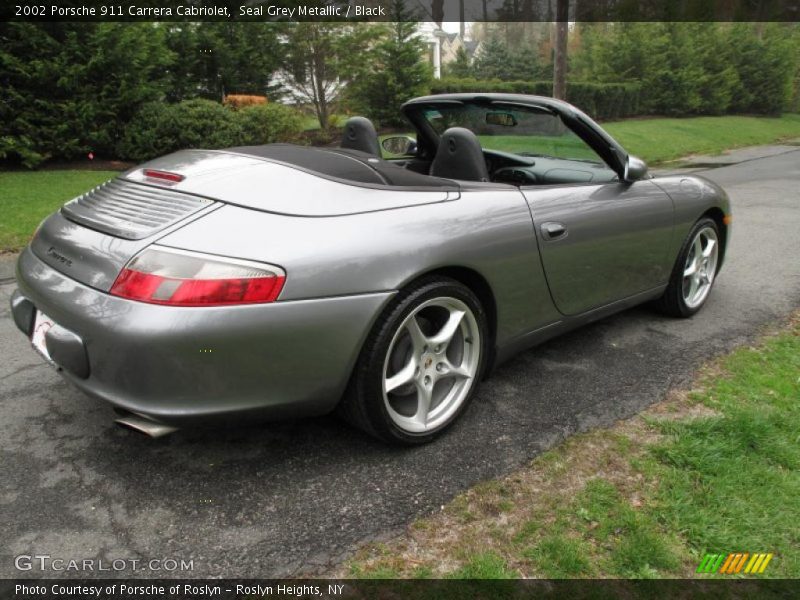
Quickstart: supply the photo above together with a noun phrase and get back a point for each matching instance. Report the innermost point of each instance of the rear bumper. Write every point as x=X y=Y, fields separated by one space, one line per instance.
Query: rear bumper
x=182 y=364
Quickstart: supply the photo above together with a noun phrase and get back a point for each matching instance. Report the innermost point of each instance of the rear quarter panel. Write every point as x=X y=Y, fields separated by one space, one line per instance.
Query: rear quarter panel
x=489 y=231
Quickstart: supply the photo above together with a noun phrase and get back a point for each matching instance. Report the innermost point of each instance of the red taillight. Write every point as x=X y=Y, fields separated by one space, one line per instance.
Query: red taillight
x=179 y=278
x=163 y=175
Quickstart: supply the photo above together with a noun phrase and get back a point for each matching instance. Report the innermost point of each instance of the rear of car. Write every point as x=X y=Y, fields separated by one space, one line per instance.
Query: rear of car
x=178 y=334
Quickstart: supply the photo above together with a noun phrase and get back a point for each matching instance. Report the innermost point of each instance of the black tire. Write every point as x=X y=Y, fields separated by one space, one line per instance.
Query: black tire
x=672 y=302
x=363 y=404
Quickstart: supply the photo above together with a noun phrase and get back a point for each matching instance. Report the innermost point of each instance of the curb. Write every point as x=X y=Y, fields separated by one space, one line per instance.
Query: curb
x=8 y=263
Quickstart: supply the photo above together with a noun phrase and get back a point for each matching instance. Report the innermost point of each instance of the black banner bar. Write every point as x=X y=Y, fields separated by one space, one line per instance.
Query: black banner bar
x=383 y=10
x=251 y=589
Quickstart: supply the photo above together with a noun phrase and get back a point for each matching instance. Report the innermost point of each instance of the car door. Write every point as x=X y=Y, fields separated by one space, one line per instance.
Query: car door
x=602 y=236
x=601 y=243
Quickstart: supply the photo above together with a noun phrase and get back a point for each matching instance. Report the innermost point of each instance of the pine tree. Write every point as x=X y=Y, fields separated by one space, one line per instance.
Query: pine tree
x=399 y=70
x=460 y=67
x=493 y=61
x=70 y=87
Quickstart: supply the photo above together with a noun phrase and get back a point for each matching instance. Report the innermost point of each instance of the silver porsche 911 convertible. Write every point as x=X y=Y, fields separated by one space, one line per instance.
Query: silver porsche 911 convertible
x=382 y=279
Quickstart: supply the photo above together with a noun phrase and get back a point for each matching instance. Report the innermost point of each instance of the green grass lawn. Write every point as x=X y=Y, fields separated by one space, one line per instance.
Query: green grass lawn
x=27 y=197
x=715 y=470
x=311 y=122
x=659 y=140
x=563 y=146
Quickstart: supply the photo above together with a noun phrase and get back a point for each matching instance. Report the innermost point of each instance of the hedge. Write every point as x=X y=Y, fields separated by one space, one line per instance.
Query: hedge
x=159 y=128
x=268 y=123
x=603 y=101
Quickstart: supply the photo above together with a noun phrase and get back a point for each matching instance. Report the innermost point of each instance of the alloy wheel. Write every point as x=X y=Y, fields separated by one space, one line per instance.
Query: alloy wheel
x=431 y=364
x=700 y=267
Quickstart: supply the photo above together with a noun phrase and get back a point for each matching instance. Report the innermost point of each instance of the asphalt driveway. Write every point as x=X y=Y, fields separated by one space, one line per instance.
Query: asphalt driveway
x=293 y=497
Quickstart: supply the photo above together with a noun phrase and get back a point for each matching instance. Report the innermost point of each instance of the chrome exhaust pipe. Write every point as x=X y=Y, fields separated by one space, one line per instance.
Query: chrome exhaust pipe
x=144 y=425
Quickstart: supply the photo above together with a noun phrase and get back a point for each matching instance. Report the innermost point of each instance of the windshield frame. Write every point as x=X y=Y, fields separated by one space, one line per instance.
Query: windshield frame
x=530 y=131
x=606 y=147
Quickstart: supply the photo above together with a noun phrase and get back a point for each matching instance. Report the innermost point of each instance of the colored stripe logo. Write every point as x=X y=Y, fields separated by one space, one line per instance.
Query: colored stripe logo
x=735 y=562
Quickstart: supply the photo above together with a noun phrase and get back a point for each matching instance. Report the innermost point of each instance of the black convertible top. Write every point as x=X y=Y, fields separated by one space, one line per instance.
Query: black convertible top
x=349 y=165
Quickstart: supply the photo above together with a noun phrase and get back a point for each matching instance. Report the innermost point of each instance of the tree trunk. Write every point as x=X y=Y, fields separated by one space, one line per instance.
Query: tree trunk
x=318 y=84
x=323 y=113
x=560 y=58
x=319 y=100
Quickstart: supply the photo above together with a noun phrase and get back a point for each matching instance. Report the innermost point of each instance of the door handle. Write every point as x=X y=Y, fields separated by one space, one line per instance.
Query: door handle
x=552 y=230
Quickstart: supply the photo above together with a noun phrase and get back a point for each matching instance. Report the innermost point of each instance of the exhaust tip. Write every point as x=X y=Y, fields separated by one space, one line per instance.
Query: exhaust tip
x=149 y=427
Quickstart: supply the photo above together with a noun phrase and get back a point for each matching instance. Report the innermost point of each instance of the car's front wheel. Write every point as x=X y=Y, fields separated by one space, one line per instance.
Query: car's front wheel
x=694 y=272
x=421 y=363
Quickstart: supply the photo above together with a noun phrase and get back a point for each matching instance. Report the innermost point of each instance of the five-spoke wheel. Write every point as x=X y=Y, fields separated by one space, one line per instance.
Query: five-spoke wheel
x=431 y=364
x=700 y=267
x=694 y=271
x=421 y=364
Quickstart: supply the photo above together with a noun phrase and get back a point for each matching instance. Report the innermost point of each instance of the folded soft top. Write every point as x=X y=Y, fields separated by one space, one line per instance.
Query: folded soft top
x=349 y=165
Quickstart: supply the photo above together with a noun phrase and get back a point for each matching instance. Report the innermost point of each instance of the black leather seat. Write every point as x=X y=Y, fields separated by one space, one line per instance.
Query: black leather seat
x=360 y=134
x=459 y=156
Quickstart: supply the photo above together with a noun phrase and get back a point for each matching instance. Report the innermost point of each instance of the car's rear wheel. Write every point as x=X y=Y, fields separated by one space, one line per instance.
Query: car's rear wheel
x=694 y=272
x=421 y=363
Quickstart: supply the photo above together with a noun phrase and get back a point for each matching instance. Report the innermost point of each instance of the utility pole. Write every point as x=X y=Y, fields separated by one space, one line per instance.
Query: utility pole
x=437 y=12
x=462 y=26
x=560 y=58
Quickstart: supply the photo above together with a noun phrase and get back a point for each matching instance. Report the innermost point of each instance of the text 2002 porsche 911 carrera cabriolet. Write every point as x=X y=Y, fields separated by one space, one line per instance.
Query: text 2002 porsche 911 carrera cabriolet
x=280 y=280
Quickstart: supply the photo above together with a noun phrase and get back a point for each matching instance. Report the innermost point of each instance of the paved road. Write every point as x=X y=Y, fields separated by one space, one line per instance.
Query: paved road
x=292 y=497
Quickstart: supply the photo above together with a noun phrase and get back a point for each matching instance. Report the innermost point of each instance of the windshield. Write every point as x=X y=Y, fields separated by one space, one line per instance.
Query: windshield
x=525 y=131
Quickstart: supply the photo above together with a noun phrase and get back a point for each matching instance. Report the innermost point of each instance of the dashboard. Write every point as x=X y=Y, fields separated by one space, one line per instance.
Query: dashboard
x=505 y=167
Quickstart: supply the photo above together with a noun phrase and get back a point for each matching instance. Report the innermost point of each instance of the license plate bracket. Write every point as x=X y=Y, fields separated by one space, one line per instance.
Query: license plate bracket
x=41 y=325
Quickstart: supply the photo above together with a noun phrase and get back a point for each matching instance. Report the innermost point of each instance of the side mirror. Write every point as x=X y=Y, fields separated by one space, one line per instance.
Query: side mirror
x=635 y=169
x=399 y=145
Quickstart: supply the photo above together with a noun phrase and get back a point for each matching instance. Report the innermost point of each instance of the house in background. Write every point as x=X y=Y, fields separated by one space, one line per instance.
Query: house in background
x=443 y=47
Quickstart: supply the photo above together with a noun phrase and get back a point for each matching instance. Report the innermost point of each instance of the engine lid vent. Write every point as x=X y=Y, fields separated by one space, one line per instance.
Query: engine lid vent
x=130 y=210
